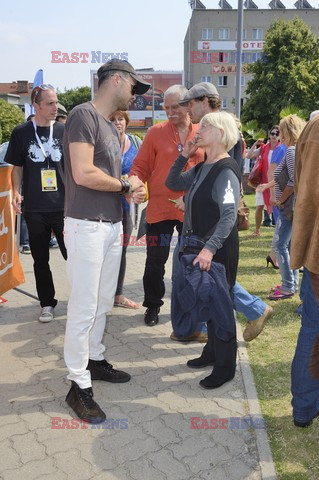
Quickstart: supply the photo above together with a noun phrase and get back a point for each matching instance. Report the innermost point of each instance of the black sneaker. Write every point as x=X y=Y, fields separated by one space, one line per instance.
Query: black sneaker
x=102 y=370
x=82 y=403
x=151 y=316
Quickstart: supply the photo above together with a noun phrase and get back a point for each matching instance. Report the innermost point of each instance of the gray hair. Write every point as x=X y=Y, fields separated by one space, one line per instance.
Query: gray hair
x=179 y=90
x=224 y=122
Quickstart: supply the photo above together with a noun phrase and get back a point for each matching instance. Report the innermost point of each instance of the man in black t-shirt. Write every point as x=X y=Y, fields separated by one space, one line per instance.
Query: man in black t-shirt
x=35 y=150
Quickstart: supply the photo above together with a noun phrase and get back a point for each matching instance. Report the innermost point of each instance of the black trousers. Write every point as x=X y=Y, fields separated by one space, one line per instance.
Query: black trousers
x=220 y=352
x=159 y=236
x=40 y=225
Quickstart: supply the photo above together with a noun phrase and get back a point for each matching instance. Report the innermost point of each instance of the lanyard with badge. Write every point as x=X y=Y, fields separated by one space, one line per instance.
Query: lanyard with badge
x=48 y=175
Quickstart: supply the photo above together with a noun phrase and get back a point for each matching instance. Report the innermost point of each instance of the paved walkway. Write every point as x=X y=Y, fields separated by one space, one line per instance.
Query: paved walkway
x=151 y=435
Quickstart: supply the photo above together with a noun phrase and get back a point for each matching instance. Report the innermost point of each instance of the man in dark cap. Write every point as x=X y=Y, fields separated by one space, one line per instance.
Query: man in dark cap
x=93 y=228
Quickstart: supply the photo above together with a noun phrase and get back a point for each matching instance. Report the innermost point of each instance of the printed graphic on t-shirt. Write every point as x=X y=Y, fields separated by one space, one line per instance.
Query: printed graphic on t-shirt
x=36 y=155
x=229 y=194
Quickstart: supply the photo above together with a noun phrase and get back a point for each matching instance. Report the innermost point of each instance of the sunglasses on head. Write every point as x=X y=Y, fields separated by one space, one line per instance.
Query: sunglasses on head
x=274 y=134
x=43 y=87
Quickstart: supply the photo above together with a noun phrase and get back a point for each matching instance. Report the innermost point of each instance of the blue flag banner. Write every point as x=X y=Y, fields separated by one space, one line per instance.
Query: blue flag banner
x=38 y=80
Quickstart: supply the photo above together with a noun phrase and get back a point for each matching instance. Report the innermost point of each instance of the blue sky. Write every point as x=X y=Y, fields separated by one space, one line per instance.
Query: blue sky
x=151 y=32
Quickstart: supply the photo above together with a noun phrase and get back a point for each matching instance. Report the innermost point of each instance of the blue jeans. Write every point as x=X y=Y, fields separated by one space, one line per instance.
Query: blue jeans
x=289 y=278
x=304 y=387
x=249 y=305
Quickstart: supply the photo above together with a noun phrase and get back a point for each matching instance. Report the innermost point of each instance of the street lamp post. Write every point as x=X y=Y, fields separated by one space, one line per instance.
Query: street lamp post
x=240 y=15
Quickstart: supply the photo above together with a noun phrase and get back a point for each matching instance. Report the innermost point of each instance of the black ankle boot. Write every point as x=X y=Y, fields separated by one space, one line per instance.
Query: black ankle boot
x=213 y=381
x=102 y=370
x=206 y=359
x=151 y=316
x=82 y=403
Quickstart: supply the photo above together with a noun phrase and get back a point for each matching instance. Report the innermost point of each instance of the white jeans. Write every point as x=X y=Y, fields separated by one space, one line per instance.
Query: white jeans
x=94 y=254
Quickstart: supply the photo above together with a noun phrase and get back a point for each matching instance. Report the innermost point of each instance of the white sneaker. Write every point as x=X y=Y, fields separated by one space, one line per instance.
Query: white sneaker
x=46 y=314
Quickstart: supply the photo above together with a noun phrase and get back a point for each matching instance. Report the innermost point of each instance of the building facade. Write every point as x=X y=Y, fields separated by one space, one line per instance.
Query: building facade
x=210 y=44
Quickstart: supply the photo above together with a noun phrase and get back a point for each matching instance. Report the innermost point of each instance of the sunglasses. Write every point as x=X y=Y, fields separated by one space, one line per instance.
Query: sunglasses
x=274 y=134
x=133 y=86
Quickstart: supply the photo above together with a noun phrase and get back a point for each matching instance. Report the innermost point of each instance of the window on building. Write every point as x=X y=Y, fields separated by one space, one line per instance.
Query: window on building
x=222 y=81
x=206 y=57
x=224 y=34
x=221 y=57
x=242 y=81
x=244 y=34
x=224 y=104
x=207 y=34
x=256 y=56
x=257 y=34
x=207 y=78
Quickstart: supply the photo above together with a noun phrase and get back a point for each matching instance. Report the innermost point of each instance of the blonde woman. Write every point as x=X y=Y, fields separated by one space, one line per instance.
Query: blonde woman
x=290 y=130
x=211 y=217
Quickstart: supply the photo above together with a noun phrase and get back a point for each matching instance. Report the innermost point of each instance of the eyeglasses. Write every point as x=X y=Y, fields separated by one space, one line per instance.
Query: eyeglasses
x=274 y=134
x=42 y=87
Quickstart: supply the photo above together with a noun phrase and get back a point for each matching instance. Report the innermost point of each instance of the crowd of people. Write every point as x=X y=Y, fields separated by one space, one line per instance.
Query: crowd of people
x=82 y=181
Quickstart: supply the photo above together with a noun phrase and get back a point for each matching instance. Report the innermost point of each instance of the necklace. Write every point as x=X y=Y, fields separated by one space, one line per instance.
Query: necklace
x=177 y=141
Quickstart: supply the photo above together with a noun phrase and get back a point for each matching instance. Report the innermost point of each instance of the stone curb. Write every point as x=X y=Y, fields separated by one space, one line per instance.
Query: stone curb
x=265 y=457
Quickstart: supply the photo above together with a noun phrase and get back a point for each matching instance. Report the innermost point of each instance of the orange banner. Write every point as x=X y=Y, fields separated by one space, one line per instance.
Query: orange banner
x=11 y=273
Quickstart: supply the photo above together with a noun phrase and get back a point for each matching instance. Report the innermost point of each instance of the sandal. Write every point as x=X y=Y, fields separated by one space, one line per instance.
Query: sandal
x=254 y=235
x=127 y=303
x=279 y=295
x=274 y=289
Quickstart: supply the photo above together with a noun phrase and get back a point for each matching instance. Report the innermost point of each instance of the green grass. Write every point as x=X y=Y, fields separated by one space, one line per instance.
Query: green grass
x=295 y=450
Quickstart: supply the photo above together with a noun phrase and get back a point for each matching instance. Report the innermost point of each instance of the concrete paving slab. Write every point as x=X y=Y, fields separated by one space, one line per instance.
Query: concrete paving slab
x=150 y=430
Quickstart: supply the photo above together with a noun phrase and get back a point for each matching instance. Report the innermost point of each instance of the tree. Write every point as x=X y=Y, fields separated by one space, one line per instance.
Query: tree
x=286 y=75
x=75 y=96
x=10 y=117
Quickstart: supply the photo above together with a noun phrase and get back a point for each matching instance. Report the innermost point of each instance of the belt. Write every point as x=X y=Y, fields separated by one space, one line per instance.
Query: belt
x=97 y=220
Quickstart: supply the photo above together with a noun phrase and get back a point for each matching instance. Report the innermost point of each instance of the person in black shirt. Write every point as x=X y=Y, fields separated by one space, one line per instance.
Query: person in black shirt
x=35 y=150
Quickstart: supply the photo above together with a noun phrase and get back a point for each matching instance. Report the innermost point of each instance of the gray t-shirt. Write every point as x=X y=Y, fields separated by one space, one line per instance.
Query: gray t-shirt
x=86 y=125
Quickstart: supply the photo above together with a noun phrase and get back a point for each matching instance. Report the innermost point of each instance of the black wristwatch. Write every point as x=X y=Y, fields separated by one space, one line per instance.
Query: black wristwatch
x=126 y=187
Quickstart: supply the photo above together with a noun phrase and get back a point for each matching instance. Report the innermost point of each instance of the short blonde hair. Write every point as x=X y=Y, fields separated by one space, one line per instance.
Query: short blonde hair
x=291 y=128
x=226 y=123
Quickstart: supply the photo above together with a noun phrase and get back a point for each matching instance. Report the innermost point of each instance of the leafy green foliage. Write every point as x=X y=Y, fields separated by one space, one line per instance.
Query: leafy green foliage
x=293 y=110
x=251 y=132
x=10 y=117
x=73 y=97
x=286 y=76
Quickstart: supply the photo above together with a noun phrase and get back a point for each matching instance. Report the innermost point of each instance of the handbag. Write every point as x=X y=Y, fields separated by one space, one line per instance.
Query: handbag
x=242 y=215
x=192 y=243
x=255 y=176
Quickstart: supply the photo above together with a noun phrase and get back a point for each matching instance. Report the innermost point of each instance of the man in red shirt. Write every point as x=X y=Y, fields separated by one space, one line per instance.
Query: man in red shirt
x=161 y=146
